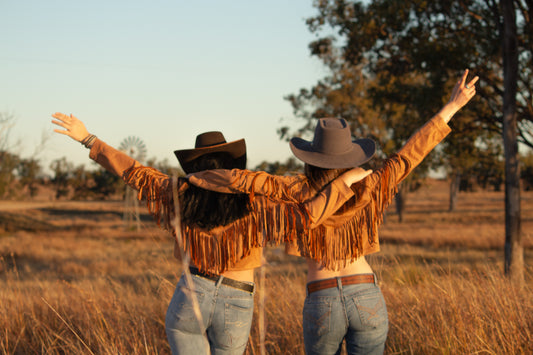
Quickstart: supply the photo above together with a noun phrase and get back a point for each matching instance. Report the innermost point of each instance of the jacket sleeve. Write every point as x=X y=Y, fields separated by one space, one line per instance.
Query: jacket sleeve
x=379 y=188
x=151 y=184
x=245 y=181
x=419 y=145
x=111 y=159
x=327 y=202
x=156 y=187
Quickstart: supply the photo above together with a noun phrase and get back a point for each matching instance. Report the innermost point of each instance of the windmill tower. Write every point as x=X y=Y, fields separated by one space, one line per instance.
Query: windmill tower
x=135 y=148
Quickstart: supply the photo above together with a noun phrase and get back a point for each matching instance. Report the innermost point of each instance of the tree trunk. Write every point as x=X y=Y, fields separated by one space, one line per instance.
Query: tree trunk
x=454 y=190
x=514 y=254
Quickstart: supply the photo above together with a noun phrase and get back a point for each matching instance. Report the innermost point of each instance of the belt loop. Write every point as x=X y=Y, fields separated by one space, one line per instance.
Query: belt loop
x=375 y=279
x=339 y=283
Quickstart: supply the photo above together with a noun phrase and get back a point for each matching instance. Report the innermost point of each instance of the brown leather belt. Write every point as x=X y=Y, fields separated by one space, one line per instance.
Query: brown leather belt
x=345 y=280
x=225 y=281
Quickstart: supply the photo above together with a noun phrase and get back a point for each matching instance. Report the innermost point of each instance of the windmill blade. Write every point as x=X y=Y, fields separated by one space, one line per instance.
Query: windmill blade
x=134 y=147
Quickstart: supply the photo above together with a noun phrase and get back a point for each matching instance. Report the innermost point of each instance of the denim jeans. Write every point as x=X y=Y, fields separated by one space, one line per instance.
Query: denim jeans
x=226 y=315
x=356 y=313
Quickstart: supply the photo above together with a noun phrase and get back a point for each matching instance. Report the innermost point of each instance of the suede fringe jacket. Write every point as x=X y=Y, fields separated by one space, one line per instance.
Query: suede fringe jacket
x=352 y=232
x=235 y=246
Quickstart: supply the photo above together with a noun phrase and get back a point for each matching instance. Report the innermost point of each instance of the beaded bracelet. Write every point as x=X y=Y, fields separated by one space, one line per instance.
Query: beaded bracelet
x=88 y=141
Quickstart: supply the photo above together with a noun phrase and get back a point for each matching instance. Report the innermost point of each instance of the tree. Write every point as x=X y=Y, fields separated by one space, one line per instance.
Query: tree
x=514 y=253
x=62 y=173
x=387 y=76
x=28 y=171
x=80 y=183
x=8 y=160
x=8 y=165
x=106 y=184
x=290 y=166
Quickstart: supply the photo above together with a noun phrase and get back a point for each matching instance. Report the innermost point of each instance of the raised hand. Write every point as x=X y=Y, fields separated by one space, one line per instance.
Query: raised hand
x=461 y=94
x=73 y=127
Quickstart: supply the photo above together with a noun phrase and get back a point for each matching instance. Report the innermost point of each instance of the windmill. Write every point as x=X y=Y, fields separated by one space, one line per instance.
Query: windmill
x=135 y=148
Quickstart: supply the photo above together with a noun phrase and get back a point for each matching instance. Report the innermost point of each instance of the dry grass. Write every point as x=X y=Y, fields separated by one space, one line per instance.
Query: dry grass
x=91 y=287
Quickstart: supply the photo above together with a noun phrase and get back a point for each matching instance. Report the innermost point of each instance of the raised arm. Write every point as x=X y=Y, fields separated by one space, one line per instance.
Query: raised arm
x=378 y=190
x=279 y=188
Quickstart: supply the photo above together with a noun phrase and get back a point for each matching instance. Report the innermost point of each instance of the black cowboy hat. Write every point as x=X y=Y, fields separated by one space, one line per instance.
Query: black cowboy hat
x=210 y=142
x=332 y=146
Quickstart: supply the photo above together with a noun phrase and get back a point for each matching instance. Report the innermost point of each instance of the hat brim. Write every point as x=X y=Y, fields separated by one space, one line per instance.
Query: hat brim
x=236 y=149
x=361 y=151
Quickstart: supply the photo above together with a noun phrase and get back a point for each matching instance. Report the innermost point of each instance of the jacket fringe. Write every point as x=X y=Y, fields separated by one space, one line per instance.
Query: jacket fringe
x=333 y=244
x=216 y=250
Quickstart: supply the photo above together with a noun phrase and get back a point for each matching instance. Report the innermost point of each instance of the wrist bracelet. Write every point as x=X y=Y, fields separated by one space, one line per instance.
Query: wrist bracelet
x=88 y=141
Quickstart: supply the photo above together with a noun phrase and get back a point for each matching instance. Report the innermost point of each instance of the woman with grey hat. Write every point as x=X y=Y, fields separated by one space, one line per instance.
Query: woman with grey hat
x=211 y=312
x=344 y=301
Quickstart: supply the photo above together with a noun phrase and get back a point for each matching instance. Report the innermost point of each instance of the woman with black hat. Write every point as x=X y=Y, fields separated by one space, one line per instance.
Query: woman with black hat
x=217 y=231
x=344 y=301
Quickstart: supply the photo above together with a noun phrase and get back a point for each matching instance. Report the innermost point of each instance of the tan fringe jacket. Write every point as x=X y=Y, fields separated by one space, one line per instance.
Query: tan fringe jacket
x=352 y=232
x=236 y=246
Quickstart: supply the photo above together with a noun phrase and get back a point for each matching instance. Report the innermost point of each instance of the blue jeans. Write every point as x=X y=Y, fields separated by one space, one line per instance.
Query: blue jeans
x=356 y=313
x=226 y=315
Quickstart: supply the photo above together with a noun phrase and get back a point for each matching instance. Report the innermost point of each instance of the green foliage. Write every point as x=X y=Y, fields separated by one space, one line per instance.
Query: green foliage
x=81 y=184
x=392 y=65
x=8 y=160
x=292 y=165
x=62 y=172
x=8 y=166
x=106 y=184
x=28 y=171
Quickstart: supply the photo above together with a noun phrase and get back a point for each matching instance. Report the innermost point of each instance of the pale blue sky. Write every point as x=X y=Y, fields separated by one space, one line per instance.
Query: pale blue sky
x=161 y=70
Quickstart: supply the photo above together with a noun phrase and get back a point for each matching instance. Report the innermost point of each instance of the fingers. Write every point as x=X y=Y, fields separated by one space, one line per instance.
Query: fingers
x=61 y=131
x=73 y=127
x=64 y=121
x=463 y=78
x=61 y=116
x=473 y=82
x=59 y=123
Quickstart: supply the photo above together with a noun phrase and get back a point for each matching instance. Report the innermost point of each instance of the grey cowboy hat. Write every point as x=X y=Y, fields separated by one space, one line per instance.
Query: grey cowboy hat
x=332 y=146
x=210 y=142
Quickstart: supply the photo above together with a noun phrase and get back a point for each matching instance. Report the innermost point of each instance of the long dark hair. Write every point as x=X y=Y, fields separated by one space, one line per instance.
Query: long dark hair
x=209 y=209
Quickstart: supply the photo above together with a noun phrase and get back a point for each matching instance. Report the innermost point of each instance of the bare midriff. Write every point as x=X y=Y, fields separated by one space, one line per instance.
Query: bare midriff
x=316 y=272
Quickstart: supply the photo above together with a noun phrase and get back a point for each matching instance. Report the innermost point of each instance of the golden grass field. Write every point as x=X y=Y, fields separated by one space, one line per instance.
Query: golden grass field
x=74 y=280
